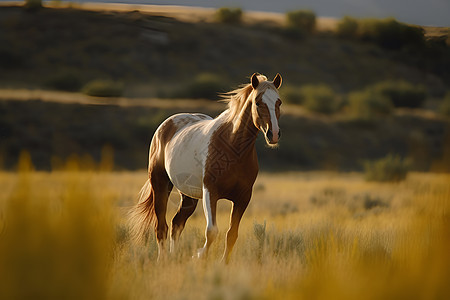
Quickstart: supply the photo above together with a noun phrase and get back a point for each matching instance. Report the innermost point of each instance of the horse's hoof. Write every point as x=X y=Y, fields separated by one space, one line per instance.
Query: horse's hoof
x=201 y=253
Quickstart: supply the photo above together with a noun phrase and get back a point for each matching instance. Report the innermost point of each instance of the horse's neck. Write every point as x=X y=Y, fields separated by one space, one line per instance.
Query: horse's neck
x=243 y=131
x=244 y=123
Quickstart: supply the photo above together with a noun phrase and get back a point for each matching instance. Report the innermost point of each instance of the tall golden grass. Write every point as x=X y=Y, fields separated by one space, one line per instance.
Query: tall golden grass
x=304 y=236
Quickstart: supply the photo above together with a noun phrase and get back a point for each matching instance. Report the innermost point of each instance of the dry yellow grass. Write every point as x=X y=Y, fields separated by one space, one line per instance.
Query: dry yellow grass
x=305 y=235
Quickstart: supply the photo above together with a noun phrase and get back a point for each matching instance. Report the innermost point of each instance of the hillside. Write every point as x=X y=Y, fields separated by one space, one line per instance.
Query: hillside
x=50 y=131
x=151 y=53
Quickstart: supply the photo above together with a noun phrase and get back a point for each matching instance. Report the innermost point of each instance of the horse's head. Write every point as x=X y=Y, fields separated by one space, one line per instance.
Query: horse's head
x=266 y=107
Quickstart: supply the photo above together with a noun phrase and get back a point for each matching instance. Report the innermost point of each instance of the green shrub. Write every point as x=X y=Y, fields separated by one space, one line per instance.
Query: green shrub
x=204 y=86
x=389 y=33
x=229 y=15
x=389 y=168
x=291 y=95
x=32 y=4
x=347 y=27
x=103 y=88
x=368 y=105
x=444 y=108
x=402 y=93
x=304 y=20
x=64 y=82
x=319 y=98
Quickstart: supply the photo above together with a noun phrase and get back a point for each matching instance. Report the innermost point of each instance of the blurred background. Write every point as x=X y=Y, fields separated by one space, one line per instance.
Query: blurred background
x=363 y=80
x=354 y=203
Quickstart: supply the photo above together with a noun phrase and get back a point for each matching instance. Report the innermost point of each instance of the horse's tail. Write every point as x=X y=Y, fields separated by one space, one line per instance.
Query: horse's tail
x=142 y=216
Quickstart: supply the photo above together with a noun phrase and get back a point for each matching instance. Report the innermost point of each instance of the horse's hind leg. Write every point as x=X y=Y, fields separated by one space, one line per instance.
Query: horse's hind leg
x=161 y=188
x=186 y=209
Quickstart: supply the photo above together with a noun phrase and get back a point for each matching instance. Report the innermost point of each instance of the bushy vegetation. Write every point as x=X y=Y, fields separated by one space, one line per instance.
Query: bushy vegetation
x=291 y=94
x=387 y=33
x=319 y=98
x=444 y=107
x=390 y=168
x=32 y=4
x=347 y=27
x=103 y=88
x=204 y=86
x=391 y=34
x=229 y=15
x=368 y=105
x=401 y=93
x=302 y=20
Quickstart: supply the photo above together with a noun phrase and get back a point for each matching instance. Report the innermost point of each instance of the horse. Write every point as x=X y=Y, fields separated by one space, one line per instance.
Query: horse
x=207 y=159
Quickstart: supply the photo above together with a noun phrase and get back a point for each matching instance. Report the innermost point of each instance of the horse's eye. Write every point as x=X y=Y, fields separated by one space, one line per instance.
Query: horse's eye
x=257 y=104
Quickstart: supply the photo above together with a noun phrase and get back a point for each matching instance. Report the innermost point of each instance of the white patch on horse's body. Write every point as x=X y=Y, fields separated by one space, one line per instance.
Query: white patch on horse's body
x=186 y=153
x=270 y=98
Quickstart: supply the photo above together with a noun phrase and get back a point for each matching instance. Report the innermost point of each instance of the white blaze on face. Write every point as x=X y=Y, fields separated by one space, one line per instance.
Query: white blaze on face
x=270 y=98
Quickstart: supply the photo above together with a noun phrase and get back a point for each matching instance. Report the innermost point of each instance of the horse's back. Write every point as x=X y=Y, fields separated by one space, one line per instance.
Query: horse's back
x=187 y=119
x=175 y=123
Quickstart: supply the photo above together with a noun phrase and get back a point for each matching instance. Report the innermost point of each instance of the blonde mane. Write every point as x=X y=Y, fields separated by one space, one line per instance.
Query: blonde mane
x=237 y=98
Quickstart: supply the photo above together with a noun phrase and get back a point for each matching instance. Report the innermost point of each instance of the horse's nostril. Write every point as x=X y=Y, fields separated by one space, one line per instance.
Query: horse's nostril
x=279 y=133
x=269 y=134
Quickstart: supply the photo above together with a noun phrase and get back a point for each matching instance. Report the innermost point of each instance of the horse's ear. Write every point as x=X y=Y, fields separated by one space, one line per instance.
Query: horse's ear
x=277 y=81
x=255 y=81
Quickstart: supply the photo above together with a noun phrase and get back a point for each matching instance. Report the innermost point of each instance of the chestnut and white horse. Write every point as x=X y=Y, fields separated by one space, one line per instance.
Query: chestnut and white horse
x=208 y=159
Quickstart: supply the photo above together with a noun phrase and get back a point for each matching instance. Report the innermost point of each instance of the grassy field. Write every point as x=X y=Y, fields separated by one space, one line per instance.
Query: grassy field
x=311 y=235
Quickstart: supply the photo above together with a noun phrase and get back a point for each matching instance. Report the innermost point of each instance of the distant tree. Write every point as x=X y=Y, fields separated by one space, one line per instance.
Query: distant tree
x=391 y=168
x=304 y=20
x=390 y=34
x=32 y=4
x=347 y=27
x=229 y=15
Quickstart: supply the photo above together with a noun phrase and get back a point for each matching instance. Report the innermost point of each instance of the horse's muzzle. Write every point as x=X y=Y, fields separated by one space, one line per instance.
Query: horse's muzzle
x=270 y=137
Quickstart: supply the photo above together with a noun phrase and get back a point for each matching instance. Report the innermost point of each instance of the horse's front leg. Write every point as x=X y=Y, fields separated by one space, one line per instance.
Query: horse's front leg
x=209 y=208
x=239 y=206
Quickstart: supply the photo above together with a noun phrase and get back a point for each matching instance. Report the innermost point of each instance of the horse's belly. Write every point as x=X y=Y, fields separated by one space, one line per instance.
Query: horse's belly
x=188 y=184
x=184 y=164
